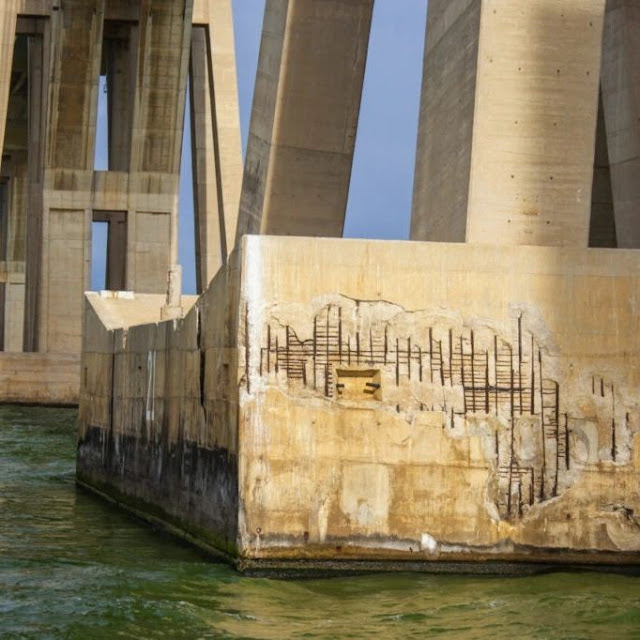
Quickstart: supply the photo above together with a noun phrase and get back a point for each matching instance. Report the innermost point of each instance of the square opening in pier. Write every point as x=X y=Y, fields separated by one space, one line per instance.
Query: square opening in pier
x=358 y=384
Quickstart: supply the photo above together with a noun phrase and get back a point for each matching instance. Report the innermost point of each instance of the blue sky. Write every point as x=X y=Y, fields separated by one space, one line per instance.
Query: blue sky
x=381 y=185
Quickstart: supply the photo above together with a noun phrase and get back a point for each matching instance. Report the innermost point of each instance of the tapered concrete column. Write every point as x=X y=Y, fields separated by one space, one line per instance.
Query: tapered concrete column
x=38 y=92
x=215 y=137
x=621 y=102
x=163 y=139
x=8 y=14
x=119 y=64
x=508 y=121
x=163 y=60
x=305 y=115
x=68 y=167
x=443 y=156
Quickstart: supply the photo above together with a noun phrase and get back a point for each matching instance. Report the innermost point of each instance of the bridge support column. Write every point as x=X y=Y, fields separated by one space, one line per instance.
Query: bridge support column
x=305 y=115
x=508 y=121
x=621 y=104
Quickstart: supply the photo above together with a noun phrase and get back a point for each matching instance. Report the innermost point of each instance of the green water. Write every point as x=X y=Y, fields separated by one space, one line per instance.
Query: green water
x=73 y=567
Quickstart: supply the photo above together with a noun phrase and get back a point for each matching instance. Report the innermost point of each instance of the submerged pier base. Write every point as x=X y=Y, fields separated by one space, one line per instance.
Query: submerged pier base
x=334 y=405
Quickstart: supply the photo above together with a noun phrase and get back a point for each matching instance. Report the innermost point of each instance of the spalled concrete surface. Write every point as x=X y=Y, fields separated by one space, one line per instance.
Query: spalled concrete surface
x=349 y=409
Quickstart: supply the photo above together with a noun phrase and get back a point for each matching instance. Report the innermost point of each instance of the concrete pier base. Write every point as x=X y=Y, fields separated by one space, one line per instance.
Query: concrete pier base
x=335 y=404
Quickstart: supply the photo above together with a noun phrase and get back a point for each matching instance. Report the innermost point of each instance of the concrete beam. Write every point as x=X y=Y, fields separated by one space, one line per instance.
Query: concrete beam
x=305 y=115
x=35 y=7
x=510 y=159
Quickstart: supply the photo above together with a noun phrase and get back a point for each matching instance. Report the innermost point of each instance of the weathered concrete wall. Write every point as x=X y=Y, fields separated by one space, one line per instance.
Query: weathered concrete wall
x=39 y=378
x=387 y=401
x=158 y=410
x=506 y=415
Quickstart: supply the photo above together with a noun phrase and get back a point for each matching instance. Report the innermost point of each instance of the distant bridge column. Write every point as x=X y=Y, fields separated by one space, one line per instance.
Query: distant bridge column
x=143 y=50
x=215 y=136
x=305 y=115
x=621 y=104
x=508 y=121
x=8 y=16
x=62 y=261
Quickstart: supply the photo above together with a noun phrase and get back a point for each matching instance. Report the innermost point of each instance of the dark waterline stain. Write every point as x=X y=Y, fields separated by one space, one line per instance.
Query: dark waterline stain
x=74 y=567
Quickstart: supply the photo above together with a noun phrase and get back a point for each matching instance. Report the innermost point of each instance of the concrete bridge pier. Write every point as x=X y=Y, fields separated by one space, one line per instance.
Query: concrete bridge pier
x=55 y=57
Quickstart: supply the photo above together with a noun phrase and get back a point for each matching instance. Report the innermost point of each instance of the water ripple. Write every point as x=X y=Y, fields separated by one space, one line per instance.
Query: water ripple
x=74 y=567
